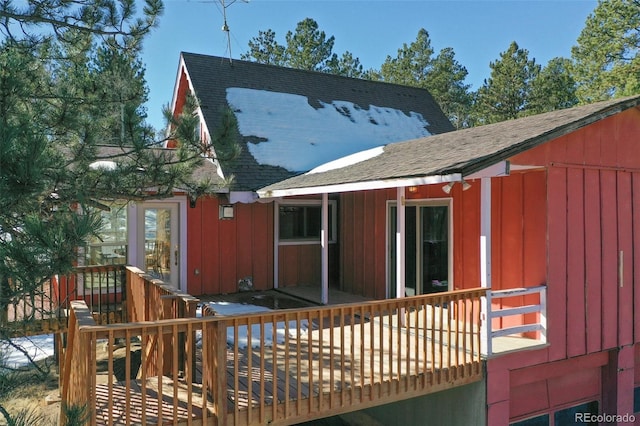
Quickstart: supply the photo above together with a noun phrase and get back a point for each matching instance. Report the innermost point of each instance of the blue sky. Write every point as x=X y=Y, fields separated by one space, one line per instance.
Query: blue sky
x=370 y=29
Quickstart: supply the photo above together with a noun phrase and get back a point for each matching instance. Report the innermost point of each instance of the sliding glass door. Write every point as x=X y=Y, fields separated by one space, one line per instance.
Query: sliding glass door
x=427 y=247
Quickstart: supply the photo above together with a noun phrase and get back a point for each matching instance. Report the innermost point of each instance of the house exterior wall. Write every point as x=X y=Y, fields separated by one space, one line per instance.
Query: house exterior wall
x=223 y=251
x=519 y=237
x=593 y=249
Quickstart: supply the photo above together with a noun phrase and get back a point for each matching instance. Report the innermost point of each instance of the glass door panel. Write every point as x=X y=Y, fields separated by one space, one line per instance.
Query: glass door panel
x=160 y=251
x=426 y=249
x=435 y=248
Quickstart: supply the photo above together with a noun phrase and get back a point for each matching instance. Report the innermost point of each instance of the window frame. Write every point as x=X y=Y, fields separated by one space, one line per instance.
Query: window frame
x=333 y=215
x=420 y=202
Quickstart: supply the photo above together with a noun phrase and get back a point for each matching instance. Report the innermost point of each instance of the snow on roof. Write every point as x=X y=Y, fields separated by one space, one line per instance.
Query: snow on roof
x=348 y=160
x=317 y=135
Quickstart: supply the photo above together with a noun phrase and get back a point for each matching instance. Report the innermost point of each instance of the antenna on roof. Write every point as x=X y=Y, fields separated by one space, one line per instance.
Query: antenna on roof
x=225 y=26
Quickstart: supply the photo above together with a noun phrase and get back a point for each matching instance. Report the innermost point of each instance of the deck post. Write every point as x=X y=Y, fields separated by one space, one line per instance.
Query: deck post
x=400 y=249
x=276 y=242
x=324 y=244
x=485 y=264
x=219 y=370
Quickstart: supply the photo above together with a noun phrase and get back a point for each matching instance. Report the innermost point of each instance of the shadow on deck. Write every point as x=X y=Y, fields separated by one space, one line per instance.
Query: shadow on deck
x=346 y=359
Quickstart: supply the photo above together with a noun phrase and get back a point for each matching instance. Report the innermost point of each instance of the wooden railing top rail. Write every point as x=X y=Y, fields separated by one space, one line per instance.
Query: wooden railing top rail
x=404 y=302
x=186 y=297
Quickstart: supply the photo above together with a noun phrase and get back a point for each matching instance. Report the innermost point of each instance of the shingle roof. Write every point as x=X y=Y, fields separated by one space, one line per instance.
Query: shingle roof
x=205 y=171
x=211 y=77
x=463 y=151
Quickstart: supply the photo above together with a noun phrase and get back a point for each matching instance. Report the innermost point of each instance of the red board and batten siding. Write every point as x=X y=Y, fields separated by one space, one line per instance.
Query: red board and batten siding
x=225 y=251
x=593 y=197
x=518 y=244
x=592 y=207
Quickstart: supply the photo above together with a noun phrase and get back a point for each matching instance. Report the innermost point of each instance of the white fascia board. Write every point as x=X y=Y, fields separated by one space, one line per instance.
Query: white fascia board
x=499 y=169
x=206 y=134
x=182 y=67
x=361 y=186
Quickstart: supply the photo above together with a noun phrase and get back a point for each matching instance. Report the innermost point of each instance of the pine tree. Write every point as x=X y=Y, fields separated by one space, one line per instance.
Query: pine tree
x=606 y=59
x=443 y=76
x=554 y=87
x=308 y=48
x=264 y=49
x=506 y=93
x=71 y=83
x=446 y=84
x=412 y=64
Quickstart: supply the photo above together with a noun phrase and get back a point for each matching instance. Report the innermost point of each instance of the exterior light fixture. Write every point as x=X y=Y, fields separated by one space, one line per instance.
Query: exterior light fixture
x=226 y=211
x=413 y=189
x=447 y=187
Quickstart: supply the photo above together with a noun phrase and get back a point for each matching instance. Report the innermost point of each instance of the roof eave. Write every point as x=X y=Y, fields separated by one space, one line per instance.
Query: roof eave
x=360 y=186
x=483 y=163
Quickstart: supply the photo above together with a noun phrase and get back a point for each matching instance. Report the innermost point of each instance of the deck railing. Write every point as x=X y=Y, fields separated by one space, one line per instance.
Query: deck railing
x=537 y=311
x=101 y=287
x=334 y=359
x=281 y=366
x=45 y=308
x=149 y=300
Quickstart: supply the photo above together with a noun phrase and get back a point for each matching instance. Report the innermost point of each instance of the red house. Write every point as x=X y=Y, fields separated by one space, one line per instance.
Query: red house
x=363 y=187
x=289 y=122
x=549 y=202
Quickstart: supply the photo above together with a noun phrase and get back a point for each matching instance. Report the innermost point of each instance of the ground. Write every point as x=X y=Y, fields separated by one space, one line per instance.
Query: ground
x=27 y=389
x=32 y=395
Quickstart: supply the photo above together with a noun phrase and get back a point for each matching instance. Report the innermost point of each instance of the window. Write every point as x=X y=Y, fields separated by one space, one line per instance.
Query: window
x=542 y=420
x=109 y=247
x=303 y=222
x=578 y=414
x=428 y=247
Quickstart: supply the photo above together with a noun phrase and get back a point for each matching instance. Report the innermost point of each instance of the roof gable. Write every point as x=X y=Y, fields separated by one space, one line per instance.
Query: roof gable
x=293 y=120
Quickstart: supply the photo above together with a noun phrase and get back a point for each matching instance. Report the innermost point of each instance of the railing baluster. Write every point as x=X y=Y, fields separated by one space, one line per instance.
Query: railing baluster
x=310 y=361
x=287 y=343
x=274 y=361
x=250 y=373
x=343 y=381
x=352 y=351
x=332 y=350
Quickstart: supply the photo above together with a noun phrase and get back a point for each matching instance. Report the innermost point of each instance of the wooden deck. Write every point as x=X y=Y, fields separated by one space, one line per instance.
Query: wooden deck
x=322 y=372
x=275 y=367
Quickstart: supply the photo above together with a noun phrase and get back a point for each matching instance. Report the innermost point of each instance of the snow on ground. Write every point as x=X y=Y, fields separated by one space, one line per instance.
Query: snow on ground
x=282 y=328
x=318 y=134
x=38 y=347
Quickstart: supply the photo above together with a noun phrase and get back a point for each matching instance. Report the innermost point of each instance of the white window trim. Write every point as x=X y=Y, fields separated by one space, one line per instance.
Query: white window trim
x=182 y=217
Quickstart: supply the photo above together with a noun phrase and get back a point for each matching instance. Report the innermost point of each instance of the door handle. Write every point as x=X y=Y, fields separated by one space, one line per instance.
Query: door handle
x=176 y=256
